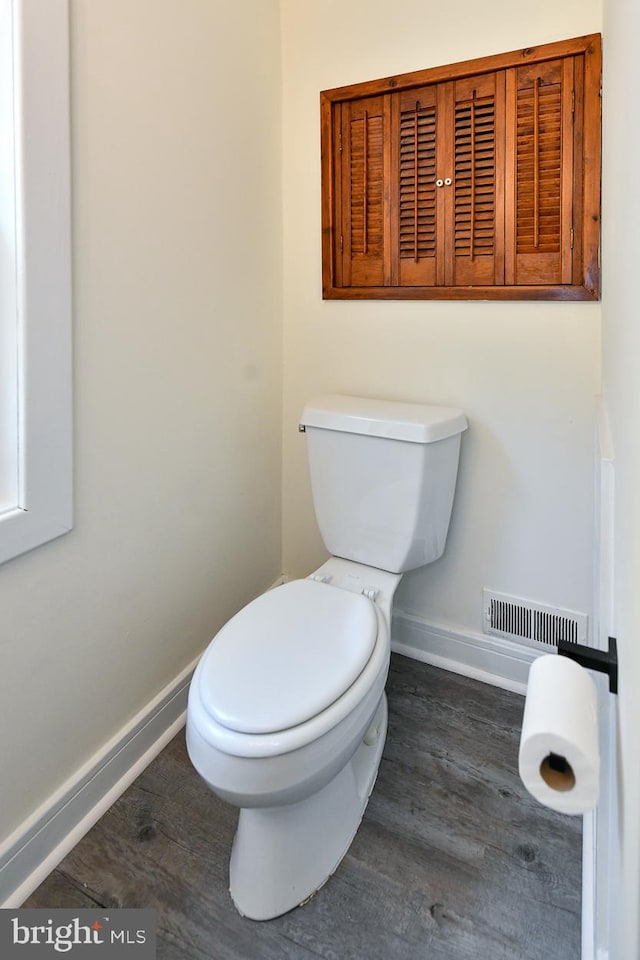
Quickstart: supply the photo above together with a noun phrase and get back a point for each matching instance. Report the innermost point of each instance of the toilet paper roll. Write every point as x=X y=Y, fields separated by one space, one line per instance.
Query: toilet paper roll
x=559 y=759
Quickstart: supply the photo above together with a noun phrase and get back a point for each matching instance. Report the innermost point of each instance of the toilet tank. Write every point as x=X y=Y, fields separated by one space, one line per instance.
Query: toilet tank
x=383 y=476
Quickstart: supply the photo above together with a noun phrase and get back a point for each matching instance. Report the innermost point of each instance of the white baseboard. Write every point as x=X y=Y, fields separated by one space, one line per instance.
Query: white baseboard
x=493 y=660
x=44 y=838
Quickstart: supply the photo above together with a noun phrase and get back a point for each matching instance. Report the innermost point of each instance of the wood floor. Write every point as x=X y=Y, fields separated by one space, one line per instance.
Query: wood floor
x=453 y=860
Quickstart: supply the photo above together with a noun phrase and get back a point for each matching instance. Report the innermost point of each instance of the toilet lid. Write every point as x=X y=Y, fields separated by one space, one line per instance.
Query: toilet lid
x=287 y=656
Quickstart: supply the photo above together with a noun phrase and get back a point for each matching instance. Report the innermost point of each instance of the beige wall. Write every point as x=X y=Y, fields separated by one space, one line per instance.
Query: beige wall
x=177 y=290
x=177 y=316
x=526 y=374
x=621 y=376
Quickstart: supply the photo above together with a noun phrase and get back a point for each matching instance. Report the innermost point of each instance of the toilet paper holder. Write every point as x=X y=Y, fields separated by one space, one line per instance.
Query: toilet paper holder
x=604 y=661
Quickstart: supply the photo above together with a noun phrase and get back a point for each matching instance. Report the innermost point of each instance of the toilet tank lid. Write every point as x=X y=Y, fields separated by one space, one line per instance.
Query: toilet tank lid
x=395 y=420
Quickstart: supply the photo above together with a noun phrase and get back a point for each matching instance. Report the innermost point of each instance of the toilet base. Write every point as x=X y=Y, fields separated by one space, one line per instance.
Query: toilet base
x=282 y=855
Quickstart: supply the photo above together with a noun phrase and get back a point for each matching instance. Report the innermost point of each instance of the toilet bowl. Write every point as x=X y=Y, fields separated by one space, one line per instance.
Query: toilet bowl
x=291 y=729
x=287 y=714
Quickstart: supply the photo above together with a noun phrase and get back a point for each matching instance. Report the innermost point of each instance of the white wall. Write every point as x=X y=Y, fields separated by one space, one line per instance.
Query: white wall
x=177 y=314
x=526 y=374
x=621 y=377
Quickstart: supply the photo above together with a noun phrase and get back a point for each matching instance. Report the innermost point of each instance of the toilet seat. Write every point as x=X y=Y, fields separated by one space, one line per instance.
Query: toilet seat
x=286 y=657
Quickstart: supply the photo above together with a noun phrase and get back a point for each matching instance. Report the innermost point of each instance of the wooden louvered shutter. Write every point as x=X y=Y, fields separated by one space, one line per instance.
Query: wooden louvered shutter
x=475 y=245
x=540 y=101
x=476 y=180
x=413 y=184
x=364 y=142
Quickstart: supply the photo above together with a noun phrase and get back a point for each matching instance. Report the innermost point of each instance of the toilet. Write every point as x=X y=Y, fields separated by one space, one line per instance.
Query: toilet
x=287 y=715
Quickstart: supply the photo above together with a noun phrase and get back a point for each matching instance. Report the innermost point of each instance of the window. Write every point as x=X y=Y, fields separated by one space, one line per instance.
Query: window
x=35 y=300
x=479 y=180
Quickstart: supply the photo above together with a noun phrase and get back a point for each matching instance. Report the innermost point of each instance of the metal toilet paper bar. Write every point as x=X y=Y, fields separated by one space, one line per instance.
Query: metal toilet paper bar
x=601 y=660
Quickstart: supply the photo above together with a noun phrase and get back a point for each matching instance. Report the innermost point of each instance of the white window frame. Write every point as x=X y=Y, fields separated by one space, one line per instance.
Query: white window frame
x=37 y=494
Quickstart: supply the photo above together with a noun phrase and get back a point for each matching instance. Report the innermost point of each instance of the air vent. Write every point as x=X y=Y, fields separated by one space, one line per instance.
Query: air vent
x=519 y=619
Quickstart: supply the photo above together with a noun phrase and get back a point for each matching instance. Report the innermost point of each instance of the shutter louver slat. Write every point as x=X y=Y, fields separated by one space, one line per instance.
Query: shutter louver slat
x=475 y=177
x=539 y=168
x=417 y=200
x=367 y=186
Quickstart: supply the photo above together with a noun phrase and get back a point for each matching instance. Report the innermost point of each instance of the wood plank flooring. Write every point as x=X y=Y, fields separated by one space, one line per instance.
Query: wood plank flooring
x=453 y=860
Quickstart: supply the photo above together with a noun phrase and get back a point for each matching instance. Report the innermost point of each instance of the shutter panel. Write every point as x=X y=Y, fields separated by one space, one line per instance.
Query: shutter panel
x=415 y=125
x=364 y=134
x=542 y=166
x=475 y=254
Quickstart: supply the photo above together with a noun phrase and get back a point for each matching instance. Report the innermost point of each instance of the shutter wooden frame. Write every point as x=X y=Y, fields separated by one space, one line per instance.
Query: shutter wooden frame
x=581 y=272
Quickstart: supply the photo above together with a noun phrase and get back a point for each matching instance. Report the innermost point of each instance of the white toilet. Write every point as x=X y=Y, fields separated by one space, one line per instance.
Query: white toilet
x=287 y=715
